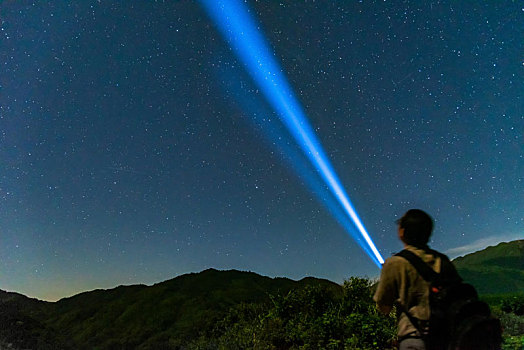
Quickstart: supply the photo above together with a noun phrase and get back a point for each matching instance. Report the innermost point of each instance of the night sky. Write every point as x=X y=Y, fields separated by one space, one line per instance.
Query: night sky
x=129 y=152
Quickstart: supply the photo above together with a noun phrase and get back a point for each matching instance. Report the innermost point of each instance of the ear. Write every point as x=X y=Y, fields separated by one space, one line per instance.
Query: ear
x=401 y=233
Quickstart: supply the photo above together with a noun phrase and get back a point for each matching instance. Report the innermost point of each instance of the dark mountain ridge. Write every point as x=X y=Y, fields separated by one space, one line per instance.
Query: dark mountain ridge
x=176 y=310
x=496 y=269
x=138 y=315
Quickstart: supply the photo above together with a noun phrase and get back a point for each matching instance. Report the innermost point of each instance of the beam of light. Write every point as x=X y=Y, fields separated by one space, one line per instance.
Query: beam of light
x=239 y=29
x=237 y=84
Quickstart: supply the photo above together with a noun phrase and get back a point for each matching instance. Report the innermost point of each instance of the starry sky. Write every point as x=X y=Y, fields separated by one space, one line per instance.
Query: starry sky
x=128 y=151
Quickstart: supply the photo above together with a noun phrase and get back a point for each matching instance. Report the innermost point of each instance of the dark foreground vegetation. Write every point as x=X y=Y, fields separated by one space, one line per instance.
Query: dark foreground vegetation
x=309 y=314
x=209 y=310
x=236 y=310
x=312 y=317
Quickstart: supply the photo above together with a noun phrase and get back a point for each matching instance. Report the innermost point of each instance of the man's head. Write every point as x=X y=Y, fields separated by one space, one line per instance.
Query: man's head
x=415 y=227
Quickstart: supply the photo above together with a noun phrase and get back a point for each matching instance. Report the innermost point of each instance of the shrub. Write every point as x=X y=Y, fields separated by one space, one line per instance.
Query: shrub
x=310 y=318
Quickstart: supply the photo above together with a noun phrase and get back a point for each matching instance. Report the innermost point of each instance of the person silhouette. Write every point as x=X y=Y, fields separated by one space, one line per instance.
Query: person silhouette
x=400 y=283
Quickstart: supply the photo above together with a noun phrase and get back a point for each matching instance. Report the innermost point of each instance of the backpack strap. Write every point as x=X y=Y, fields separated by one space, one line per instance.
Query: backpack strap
x=422 y=268
x=428 y=274
x=419 y=325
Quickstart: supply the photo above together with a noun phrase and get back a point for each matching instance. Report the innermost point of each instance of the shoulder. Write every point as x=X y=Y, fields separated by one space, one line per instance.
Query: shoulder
x=394 y=263
x=446 y=263
x=443 y=256
x=394 y=260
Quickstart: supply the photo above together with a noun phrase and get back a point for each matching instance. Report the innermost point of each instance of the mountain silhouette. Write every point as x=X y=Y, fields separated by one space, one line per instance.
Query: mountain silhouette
x=175 y=311
x=137 y=315
x=496 y=269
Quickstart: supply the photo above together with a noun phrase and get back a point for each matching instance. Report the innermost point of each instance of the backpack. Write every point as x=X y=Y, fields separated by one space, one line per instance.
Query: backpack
x=458 y=319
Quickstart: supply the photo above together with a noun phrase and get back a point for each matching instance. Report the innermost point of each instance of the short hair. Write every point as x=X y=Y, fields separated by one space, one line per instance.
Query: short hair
x=417 y=226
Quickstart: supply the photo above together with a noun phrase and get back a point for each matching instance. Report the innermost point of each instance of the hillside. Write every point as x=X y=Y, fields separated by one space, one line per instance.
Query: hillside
x=496 y=269
x=22 y=326
x=171 y=309
x=189 y=308
x=139 y=316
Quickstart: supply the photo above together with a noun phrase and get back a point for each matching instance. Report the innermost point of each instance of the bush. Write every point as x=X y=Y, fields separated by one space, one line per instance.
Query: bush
x=512 y=324
x=310 y=318
x=364 y=327
x=513 y=305
x=513 y=343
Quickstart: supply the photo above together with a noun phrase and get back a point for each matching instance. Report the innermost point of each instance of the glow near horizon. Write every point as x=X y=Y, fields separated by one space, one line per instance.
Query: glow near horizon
x=238 y=27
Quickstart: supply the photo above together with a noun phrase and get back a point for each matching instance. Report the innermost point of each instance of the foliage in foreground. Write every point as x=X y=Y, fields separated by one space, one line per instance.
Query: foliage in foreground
x=513 y=343
x=509 y=309
x=308 y=318
x=220 y=310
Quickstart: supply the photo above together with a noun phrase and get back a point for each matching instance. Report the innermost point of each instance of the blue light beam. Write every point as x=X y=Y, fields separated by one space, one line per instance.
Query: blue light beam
x=277 y=137
x=238 y=27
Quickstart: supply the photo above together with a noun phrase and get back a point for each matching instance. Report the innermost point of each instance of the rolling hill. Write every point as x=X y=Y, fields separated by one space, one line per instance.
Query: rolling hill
x=173 y=312
x=138 y=316
x=496 y=269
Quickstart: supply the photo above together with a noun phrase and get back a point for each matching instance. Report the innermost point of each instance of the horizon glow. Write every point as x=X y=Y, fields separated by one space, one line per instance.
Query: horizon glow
x=238 y=27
